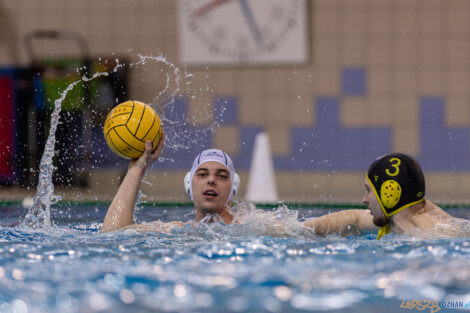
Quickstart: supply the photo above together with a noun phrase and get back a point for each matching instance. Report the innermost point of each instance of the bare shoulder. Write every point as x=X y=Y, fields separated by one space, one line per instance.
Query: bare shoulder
x=444 y=225
x=434 y=209
x=452 y=228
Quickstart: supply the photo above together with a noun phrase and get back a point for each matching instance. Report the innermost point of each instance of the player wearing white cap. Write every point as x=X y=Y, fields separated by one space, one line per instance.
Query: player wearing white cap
x=211 y=184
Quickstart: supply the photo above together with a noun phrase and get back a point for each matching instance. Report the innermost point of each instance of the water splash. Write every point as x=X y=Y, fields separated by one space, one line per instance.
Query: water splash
x=39 y=215
x=166 y=90
x=182 y=138
x=176 y=83
x=280 y=222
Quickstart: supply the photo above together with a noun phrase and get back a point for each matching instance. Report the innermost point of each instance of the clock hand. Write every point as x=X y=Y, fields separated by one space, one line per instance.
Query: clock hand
x=250 y=19
x=207 y=7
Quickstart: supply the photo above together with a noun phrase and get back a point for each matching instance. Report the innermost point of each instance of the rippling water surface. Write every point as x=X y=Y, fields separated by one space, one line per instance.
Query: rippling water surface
x=269 y=263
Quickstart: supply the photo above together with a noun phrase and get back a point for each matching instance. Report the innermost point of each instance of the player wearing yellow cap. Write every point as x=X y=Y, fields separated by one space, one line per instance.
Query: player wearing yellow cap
x=395 y=190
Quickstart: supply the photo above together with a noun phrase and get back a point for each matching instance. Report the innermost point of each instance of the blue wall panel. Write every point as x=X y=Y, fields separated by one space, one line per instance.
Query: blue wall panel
x=325 y=145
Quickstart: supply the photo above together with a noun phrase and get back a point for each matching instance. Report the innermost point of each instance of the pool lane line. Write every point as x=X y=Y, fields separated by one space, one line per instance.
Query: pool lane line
x=291 y=205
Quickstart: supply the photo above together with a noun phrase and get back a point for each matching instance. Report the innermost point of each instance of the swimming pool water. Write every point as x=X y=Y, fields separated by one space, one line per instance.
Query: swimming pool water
x=250 y=267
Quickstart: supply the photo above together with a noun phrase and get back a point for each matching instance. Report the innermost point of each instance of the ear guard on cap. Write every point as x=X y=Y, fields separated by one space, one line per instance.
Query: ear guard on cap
x=235 y=184
x=187 y=183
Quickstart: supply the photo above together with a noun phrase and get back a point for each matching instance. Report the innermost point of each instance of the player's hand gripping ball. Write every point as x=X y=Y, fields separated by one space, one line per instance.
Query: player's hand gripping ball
x=128 y=126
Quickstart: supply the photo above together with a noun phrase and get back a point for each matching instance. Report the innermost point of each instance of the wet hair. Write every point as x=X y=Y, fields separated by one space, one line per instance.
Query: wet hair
x=398 y=182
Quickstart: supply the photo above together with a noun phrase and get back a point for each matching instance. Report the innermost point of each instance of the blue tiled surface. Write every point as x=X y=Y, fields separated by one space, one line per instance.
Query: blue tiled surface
x=183 y=140
x=186 y=141
x=247 y=141
x=101 y=154
x=353 y=81
x=443 y=148
x=329 y=145
x=226 y=110
x=326 y=145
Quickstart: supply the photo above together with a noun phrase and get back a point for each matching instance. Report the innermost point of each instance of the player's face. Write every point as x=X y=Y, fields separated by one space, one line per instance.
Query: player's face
x=211 y=187
x=374 y=207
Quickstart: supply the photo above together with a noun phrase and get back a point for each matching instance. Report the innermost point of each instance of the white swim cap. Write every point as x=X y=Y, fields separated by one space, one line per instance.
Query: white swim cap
x=214 y=155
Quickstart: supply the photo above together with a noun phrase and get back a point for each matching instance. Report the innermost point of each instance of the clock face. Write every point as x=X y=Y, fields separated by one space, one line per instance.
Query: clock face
x=243 y=31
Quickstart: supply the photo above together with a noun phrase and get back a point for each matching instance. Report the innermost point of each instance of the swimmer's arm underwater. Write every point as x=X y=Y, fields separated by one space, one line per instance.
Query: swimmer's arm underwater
x=343 y=223
x=120 y=212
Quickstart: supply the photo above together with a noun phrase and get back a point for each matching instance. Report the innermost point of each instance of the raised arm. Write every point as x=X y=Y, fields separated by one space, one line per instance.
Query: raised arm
x=120 y=212
x=343 y=223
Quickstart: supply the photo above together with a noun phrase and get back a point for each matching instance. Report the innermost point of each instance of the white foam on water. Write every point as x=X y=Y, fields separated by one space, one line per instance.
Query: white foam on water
x=279 y=222
x=327 y=301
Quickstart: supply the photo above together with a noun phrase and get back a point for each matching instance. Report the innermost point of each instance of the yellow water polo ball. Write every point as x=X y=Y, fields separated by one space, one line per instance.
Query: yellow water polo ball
x=128 y=126
x=390 y=193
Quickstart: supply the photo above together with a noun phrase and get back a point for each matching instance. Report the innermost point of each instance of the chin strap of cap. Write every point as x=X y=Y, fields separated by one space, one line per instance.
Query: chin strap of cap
x=383 y=231
x=212 y=218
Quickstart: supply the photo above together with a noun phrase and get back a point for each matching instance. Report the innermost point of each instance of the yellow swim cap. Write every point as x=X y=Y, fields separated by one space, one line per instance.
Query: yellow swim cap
x=398 y=182
x=390 y=193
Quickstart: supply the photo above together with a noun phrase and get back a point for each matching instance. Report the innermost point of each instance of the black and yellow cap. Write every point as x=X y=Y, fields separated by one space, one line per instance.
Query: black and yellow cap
x=398 y=182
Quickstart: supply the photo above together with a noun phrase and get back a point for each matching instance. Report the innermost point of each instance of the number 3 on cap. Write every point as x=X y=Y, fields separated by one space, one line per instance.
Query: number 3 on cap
x=395 y=165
